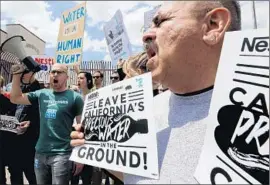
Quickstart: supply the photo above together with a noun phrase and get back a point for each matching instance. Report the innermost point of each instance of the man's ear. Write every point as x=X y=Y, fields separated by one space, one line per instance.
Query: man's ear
x=217 y=22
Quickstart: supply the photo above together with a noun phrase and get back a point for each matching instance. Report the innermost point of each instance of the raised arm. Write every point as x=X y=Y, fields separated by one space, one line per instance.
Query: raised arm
x=16 y=95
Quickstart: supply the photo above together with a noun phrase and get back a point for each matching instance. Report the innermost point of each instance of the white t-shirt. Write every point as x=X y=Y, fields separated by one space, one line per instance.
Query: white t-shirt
x=180 y=137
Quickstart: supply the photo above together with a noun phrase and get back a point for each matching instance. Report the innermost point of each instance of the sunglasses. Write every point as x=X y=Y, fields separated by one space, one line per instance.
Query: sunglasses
x=57 y=71
x=96 y=77
x=114 y=78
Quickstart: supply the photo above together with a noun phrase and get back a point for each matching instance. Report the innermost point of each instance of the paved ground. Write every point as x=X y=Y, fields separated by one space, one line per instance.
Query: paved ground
x=26 y=182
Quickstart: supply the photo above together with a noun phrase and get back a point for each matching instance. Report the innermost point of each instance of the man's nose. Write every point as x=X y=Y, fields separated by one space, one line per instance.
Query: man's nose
x=149 y=35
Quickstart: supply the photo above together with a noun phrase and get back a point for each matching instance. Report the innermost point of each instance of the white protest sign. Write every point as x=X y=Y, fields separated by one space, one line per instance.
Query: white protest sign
x=117 y=38
x=46 y=63
x=236 y=149
x=148 y=17
x=70 y=37
x=119 y=128
x=8 y=123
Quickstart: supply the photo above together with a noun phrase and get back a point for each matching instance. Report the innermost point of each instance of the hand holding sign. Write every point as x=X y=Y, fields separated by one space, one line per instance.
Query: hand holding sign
x=21 y=129
x=9 y=123
x=119 y=132
x=77 y=136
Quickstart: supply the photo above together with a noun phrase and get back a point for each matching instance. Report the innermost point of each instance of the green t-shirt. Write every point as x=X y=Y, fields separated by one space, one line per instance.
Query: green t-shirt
x=57 y=112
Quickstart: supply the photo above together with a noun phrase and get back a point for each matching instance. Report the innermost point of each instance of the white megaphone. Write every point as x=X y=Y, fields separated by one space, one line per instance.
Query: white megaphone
x=15 y=46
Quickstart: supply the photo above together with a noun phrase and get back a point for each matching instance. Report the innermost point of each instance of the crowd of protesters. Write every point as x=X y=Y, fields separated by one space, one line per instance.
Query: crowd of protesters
x=181 y=50
x=38 y=156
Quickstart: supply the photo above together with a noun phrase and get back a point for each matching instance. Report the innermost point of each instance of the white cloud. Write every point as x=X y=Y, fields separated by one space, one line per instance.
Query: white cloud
x=34 y=16
x=133 y=17
x=90 y=44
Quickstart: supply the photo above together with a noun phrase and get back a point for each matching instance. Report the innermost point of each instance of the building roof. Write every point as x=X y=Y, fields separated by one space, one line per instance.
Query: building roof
x=3 y=31
x=28 y=31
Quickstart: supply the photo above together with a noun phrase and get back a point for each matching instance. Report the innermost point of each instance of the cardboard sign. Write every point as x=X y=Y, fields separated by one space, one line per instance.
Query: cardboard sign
x=236 y=149
x=148 y=17
x=70 y=37
x=119 y=128
x=9 y=123
x=117 y=38
x=46 y=63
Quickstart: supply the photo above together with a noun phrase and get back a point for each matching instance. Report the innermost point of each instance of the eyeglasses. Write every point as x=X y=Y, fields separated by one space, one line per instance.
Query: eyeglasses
x=57 y=71
x=114 y=78
x=96 y=77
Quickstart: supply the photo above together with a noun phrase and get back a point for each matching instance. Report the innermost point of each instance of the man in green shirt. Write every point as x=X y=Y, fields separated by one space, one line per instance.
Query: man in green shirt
x=58 y=108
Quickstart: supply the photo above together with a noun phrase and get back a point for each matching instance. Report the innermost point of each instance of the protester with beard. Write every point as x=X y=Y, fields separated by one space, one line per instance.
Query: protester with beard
x=183 y=47
x=58 y=108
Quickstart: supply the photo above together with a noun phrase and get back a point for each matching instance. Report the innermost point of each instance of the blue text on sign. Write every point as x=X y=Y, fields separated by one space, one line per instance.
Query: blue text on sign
x=74 y=15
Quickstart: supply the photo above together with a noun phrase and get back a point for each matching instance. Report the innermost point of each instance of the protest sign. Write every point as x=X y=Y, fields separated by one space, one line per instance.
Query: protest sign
x=119 y=128
x=8 y=123
x=43 y=76
x=148 y=17
x=70 y=37
x=117 y=38
x=236 y=147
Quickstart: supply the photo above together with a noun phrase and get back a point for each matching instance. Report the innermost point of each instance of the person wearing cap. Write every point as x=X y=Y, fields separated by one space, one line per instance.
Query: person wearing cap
x=59 y=106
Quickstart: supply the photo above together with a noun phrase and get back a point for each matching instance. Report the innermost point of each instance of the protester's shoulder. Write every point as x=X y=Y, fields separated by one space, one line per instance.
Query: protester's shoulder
x=74 y=93
x=35 y=86
x=77 y=96
x=162 y=99
x=163 y=96
x=42 y=91
x=161 y=110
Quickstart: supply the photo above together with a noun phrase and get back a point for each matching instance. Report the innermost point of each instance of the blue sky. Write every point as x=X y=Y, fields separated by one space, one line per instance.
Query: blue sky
x=43 y=18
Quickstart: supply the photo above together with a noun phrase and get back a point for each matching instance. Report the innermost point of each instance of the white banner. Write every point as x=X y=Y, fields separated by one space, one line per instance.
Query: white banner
x=8 y=123
x=46 y=63
x=236 y=149
x=117 y=38
x=148 y=17
x=119 y=128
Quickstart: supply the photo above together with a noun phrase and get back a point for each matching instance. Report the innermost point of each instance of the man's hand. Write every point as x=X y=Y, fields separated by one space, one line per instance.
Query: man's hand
x=77 y=168
x=22 y=127
x=77 y=137
x=17 y=69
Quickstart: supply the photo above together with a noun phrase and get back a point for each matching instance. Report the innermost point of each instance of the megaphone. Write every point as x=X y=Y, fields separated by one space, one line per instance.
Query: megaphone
x=15 y=46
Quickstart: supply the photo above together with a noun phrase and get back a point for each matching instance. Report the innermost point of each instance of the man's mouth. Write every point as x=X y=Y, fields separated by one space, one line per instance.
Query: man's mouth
x=151 y=49
x=55 y=81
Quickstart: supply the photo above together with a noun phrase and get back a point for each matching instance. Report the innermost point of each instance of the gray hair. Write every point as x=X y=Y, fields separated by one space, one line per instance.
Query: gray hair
x=232 y=5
